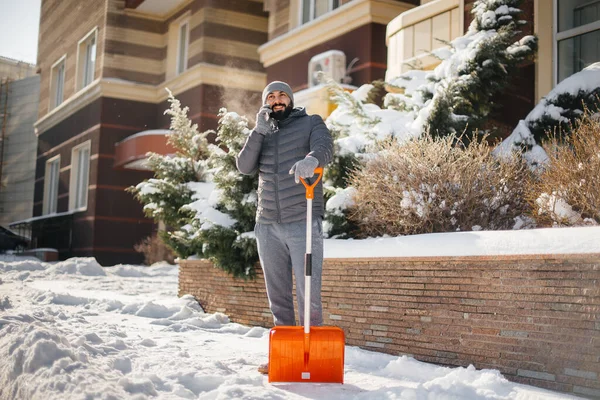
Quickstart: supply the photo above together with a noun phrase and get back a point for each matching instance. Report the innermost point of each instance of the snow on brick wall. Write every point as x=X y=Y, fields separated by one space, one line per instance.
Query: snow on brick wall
x=534 y=318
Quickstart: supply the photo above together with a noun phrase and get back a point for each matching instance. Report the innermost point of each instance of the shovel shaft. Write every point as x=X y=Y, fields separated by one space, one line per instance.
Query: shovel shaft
x=308 y=266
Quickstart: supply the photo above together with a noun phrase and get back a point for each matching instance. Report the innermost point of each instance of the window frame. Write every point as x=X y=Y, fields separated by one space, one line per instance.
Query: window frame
x=82 y=60
x=564 y=35
x=54 y=71
x=179 y=68
x=312 y=9
x=50 y=205
x=76 y=188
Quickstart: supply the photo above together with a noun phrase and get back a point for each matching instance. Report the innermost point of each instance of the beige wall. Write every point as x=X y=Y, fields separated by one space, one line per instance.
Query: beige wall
x=414 y=34
x=544 y=67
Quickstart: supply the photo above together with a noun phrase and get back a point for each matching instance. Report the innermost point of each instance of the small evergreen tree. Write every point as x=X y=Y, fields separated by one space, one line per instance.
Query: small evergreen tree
x=166 y=195
x=207 y=205
x=233 y=248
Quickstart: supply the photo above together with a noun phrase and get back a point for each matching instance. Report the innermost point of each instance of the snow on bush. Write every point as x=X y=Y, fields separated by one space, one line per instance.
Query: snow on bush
x=560 y=109
x=567 y=189
x=433 y=185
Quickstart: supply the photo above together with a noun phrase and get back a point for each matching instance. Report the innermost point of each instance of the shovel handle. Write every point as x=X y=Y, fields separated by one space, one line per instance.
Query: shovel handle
x=310 y=189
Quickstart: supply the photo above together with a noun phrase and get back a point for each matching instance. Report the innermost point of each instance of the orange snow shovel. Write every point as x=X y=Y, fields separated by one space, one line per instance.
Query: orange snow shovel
x=309 y=354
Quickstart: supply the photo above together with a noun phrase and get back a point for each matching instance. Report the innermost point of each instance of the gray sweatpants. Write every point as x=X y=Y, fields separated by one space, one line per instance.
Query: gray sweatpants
x=281 y=248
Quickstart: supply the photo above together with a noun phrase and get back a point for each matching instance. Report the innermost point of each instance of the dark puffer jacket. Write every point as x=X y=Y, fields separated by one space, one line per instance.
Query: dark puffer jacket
x=280 y=198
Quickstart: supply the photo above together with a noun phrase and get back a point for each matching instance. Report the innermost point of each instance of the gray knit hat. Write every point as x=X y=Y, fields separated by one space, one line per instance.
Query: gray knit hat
x=277 y=85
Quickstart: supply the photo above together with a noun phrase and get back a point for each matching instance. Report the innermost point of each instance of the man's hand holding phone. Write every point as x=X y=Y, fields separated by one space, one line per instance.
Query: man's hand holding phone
x=263 y=124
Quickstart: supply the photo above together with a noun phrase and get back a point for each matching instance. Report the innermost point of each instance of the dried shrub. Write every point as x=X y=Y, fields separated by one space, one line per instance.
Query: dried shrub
x=436 y=185
x=567 y=190
x=154 y=250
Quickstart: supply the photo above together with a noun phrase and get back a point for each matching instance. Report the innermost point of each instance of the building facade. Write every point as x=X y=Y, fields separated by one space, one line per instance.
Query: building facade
x=18 y=112
x=104 y=67
x=15 y=69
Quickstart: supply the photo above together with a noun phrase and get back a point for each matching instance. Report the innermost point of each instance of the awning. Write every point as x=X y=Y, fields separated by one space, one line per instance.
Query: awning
x=130 y=153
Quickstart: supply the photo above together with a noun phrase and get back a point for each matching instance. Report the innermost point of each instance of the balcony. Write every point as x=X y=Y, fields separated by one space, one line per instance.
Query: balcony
x=414 y=34
x=158 y=8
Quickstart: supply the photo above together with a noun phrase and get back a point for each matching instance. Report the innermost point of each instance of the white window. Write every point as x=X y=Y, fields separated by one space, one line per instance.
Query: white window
x=51 y=180
x=80 y=172
x=182 y=47
x=86 y=59
x=312 y=9
x=57 y=82
x=577 y=35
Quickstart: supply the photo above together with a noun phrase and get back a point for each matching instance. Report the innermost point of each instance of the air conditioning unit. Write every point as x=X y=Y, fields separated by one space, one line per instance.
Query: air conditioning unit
x=332 y=63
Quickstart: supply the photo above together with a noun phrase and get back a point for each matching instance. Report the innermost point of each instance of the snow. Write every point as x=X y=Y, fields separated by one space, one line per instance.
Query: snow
x=206 y=197
x=74 y=330
x=584 y=81
x=476 y=243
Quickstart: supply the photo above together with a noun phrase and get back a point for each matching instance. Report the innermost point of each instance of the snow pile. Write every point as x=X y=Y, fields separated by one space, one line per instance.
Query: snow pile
x=126 y=335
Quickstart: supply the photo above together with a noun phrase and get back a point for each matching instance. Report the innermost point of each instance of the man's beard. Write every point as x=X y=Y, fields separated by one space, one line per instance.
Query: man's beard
x=282 y=114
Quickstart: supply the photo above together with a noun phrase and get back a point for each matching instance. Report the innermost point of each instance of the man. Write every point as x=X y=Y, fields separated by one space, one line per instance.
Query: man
x=287 y=144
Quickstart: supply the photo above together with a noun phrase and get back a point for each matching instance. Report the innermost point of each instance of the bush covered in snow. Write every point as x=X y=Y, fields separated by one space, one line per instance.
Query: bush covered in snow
x=432 y=185
x=567 y=189
x=558 y=111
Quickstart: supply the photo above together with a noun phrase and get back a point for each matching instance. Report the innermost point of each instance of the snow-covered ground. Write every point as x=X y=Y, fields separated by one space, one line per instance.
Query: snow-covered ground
x=76 y=330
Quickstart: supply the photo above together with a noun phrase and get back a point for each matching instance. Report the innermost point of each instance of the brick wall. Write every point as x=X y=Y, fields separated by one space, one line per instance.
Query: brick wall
x=534 y=318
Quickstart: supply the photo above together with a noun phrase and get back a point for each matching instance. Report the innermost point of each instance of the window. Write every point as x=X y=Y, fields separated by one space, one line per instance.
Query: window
x=80 y=171
x=312 y=9
x=182 y=47
x=86 y=59
x=577 y=35
x=57 y=83
x=51 y=180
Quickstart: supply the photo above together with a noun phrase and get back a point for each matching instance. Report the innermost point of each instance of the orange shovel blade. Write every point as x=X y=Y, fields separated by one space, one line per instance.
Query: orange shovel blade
x=298 y=357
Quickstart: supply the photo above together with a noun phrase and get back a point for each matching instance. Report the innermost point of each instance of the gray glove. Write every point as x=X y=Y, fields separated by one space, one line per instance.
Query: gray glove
x=263 y=123
x=304 y=168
